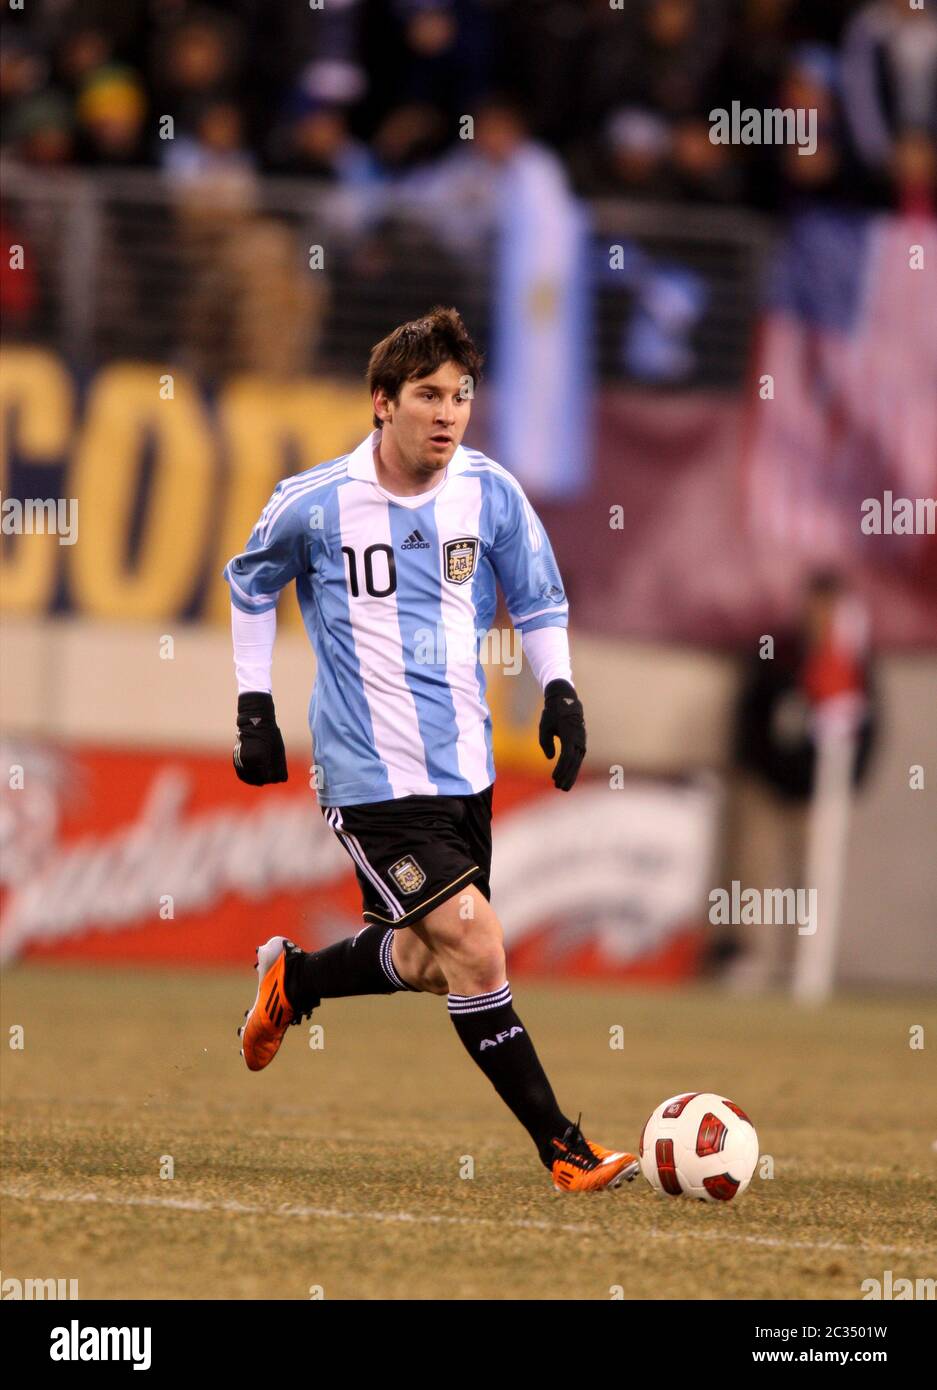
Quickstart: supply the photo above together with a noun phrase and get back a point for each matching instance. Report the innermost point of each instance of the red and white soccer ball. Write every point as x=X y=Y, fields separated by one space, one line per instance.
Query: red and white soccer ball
x=699 y=1145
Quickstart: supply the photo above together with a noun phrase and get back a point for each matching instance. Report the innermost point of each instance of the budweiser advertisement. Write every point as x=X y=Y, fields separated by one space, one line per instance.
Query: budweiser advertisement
x=165 y=858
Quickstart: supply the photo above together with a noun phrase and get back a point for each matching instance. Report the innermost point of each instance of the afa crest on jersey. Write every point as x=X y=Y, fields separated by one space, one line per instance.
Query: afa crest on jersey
x=460 y=559
x=407 y=874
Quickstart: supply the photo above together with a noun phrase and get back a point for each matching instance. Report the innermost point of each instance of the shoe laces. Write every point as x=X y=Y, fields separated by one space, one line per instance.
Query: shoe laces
x=577 y=1148
x=291 y=948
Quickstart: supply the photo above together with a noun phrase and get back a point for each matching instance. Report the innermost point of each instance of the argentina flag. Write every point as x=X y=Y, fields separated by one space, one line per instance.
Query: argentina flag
x=540 y=383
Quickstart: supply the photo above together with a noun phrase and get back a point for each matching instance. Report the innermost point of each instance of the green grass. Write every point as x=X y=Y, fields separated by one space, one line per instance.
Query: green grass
x=364 y=1140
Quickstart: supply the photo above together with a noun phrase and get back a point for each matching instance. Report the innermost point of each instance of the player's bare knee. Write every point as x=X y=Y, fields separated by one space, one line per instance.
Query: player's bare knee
x=432 y=977
x=416 y=963
x=433 y=981
x=483 y=962
x=468 y=946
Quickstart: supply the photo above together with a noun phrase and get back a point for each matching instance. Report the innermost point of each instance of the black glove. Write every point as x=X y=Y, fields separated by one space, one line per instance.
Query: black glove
x=259 y=755
x=562 y=717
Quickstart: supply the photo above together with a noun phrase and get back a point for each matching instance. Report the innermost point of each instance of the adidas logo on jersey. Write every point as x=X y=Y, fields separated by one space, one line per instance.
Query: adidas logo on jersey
x=415 y=542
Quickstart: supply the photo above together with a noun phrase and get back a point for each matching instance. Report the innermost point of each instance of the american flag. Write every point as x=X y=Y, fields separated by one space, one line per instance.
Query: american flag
x=849 y=337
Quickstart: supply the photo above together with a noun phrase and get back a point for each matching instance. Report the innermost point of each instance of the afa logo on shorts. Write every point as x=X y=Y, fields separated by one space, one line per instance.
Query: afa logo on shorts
x=460 y=558
x=407 y=874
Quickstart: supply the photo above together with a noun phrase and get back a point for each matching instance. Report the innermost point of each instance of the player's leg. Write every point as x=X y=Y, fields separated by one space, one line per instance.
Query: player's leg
x=292 y=982
x=466 y=939
x=384 y=957
x=416 y=962
x=376 y=960
x=359 y=964
x=465 y=936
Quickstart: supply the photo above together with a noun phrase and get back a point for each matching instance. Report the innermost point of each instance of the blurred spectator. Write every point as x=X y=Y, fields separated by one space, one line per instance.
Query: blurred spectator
x=811 y=82
x=369 y=90
x=314 y=140
x=538 y=53
x=775 y=738
x=252 y=306
x=84 y=50
x=372 y=267
x=631 y=159
x=640 y=155
x=409 y=135
x=756 y=49
x=19 y=291
x=303 y=62
x=111 y=108
x=704 y=171
x=41 y=130
x=780 y=704
x=664 y=58
x=428 y=63
x=501 y=130
x=197 y=63
x=667 y=58
x=889 y=59
x=465 y=191
x=24 y=73
x=914 y=170
x=214 y=152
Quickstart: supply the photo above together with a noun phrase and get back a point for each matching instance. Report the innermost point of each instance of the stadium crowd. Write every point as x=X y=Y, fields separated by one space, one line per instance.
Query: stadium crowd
x=361 y=91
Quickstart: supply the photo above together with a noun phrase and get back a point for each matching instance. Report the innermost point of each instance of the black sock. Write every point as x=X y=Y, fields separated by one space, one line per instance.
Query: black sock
x=360 y=964
x=495 y=1038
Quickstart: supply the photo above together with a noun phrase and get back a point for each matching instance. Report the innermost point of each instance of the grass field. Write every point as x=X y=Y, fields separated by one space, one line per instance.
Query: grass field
x=340 y=1167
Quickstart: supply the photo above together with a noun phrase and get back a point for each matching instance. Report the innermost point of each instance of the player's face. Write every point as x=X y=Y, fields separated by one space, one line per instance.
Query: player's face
x=431 y=416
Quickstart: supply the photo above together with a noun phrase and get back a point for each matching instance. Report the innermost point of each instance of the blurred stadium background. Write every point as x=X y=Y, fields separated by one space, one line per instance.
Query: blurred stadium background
x=702 y=360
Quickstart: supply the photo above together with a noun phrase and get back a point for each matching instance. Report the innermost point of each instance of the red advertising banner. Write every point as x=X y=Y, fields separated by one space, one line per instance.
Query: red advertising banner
x=166 y=858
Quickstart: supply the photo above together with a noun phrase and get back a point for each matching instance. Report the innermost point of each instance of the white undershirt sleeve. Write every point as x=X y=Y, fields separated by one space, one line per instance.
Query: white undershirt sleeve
x=253 y=635
x=547 y=650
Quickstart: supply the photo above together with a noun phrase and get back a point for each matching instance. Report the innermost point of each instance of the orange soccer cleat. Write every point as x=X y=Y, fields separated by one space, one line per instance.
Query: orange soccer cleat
x=583 y=1167
x=268 y=1018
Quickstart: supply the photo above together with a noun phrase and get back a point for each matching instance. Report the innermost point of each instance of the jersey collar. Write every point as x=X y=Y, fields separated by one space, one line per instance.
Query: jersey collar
x=361 y=460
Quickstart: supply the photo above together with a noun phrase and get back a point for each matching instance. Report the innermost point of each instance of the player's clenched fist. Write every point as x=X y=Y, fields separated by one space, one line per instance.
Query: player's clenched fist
x=562 y=718
x=259 y=755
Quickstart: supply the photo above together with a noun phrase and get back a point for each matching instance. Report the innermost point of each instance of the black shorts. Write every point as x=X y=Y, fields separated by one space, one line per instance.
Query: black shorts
x=413 y=853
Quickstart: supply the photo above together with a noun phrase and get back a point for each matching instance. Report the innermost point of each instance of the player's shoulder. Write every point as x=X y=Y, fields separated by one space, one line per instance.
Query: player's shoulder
x=318 y=478
x=293 y=495
x=476 y=461
x=509 y=502
x=494 y=475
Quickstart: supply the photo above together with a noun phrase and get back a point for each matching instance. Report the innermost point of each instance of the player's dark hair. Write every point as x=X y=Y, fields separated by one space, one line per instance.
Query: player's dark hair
x=416 y=349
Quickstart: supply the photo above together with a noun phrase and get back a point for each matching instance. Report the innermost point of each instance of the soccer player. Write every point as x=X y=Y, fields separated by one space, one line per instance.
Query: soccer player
x=395 y=549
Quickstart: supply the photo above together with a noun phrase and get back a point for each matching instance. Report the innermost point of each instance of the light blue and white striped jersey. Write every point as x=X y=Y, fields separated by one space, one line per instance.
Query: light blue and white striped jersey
x=395 y=594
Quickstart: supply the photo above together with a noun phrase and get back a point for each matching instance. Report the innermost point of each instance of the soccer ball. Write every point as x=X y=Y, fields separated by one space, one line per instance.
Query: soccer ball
x=699 y=1145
